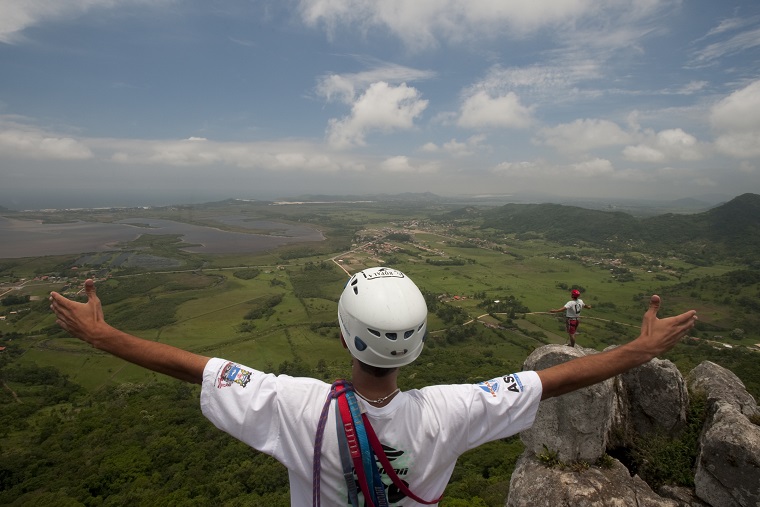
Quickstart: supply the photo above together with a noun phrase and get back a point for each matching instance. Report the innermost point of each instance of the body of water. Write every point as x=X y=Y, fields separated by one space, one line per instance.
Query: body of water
x=32 y=238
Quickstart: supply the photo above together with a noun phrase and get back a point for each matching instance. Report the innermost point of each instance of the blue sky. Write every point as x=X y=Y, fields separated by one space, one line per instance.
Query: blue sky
x=163 y=101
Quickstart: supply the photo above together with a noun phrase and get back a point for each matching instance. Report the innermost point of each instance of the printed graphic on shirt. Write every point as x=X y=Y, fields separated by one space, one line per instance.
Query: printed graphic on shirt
x=509 y=382
x=400 y=462
x=233 y=374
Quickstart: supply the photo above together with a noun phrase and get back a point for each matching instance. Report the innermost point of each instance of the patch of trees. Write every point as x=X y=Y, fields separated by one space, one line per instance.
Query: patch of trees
x=330 y=328
x=452 y=315
x=144 y=445
x=749 y=304
x=509 y=305
x=297 y=253
x=150 y=313
x=575 y=286
x=459 y=334
x=400 y=237
x=14 y=300
x=34 y=387
x=454 y=261
x=316 y=280
x=743 y=277
x=431 y=300
x=247 y=274
x=264 y=307
x=117 y=291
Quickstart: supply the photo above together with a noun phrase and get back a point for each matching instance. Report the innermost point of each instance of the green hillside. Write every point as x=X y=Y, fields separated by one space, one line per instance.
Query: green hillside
x=731 y=230
x=565 y=224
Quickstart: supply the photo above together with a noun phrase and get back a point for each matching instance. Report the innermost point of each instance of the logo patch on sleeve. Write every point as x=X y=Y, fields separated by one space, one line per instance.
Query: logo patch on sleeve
x=233 y=374
x=490 y=386
x=509 y=382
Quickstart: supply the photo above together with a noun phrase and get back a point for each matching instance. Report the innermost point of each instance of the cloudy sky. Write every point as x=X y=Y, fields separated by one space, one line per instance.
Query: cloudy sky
x=161 y=101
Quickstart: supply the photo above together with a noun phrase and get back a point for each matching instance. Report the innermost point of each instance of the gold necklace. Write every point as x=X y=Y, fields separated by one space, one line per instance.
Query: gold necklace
x=379 y=400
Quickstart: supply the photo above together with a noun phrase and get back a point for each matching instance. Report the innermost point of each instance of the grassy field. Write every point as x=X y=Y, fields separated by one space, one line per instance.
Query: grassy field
x=204 y=310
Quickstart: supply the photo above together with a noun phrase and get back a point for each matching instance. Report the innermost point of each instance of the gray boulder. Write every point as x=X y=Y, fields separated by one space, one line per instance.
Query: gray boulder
x=652 y=398
x=575 y=425
x=728 y=466
x=656 y=398
x=720 y=384
x=684 y=496
x=534 y=484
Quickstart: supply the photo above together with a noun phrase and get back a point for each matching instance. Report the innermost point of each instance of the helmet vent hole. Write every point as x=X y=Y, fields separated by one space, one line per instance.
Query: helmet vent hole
x=418 y=329
x=374 y=332
x=407 y=334
x=360 y=345
x=391 y=336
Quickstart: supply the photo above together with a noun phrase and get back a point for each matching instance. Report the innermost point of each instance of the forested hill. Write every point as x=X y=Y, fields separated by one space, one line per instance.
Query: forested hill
x=564 y=224
x=732 y=229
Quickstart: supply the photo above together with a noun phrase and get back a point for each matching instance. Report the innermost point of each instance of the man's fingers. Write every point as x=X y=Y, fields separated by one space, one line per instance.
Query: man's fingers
x=689 y=318
x=650 y=317
x=89 y=289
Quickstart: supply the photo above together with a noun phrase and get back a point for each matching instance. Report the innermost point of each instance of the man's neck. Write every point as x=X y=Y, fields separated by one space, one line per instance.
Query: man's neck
x=371 y=387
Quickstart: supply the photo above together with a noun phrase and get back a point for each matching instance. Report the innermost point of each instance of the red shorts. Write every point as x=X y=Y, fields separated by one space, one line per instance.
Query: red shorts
x=571 y=325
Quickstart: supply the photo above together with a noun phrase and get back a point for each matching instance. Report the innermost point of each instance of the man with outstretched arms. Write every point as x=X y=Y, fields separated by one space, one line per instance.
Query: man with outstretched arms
x=572 y=311
x=364 y=441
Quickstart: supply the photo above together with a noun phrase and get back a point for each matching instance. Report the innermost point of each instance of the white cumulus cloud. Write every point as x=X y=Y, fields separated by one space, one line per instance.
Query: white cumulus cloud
x=22 y=141
x=469 y=146
x=736 y=118
x=382 y=107
x=482 y=110
x=402 y=164
x=666 y=145
x=583 y=135
x=345 y=87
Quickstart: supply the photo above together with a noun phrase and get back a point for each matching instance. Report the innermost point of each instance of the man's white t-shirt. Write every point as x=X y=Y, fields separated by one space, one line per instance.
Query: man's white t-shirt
x=573 y=308
x=423 y=431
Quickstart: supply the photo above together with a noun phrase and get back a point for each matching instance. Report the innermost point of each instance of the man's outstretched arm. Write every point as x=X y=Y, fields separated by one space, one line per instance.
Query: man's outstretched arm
x=657 y=336
x=85 y=321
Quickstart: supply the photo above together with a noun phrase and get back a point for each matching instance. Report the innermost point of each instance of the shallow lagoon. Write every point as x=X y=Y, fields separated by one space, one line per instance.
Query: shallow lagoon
x=32 y=238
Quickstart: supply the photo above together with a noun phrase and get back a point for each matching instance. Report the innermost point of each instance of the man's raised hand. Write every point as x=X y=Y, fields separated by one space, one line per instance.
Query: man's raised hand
x=660 y=335
x=82 y=320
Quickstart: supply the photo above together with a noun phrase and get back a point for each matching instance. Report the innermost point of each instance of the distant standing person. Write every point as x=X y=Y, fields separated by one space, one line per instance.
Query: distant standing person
x=572 y=311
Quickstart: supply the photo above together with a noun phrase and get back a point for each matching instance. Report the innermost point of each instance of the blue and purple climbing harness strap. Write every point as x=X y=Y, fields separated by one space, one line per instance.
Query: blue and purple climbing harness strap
x=359 y=448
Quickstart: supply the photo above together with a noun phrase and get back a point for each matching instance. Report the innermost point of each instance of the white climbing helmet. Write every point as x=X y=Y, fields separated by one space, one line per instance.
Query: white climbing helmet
x=383 y=317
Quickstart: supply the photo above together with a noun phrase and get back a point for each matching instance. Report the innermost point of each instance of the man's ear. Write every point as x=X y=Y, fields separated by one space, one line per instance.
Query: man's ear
x=343 y=341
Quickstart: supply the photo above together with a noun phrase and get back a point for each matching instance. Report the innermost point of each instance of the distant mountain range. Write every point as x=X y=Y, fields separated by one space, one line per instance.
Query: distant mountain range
x=636 y=207
x=731 y=230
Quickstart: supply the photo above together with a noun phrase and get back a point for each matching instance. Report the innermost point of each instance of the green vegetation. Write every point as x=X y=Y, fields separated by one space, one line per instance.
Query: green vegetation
x=81 y=427
x=247 y=274
x=14 y=300
x=135 y=444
